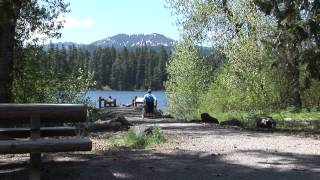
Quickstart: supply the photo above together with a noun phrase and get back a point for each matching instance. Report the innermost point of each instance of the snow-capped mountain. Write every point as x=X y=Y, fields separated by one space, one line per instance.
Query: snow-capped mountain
x=135 y=40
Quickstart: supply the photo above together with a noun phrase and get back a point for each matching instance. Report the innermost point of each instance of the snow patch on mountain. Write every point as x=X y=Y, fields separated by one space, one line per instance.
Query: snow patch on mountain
x=135 y=40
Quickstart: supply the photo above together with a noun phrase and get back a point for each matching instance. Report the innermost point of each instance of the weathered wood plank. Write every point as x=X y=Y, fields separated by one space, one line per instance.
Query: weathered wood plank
x=44 y=132
x=44 y=145
x=53 y=113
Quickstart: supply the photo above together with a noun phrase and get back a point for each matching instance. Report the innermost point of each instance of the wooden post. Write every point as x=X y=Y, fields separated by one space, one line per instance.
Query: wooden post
x=132 y=103
x=100 y=102
x=156 y=104
x=35 y=157
x=135 y=102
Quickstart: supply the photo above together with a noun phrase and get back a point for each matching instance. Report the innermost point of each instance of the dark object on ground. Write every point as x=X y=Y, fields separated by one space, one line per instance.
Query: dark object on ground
x=265 y=122
x=205 y=117
x=120 y=123
x=232 y=122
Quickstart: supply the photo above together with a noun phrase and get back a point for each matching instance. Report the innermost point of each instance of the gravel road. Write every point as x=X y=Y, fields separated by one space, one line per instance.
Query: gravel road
x=193 y=151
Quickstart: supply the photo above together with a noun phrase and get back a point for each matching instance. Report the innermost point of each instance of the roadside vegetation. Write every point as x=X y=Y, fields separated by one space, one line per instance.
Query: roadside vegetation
x=268 y=61
x=133 y=140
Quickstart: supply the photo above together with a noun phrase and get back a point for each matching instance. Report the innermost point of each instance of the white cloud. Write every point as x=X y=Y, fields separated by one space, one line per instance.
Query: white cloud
x=72 y=22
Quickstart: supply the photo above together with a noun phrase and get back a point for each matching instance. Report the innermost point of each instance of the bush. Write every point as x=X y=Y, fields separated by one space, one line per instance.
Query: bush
x=188 y=79
x=141 y=141
x=311 y=96
x=246 y=82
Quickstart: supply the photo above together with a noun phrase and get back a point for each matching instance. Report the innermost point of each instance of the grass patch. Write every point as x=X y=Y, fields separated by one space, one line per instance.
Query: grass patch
x=247 y=118
x=283 y=115
x=286 y=120
x=141 y=141
x=132 y=140
x=304 y=121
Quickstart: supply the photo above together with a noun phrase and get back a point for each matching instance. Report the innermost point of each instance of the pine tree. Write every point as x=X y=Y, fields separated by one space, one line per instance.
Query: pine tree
x=116 y=74
x=140 y=75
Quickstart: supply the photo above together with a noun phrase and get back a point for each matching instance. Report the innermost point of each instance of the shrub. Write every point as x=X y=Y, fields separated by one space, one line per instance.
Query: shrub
x=141 y=141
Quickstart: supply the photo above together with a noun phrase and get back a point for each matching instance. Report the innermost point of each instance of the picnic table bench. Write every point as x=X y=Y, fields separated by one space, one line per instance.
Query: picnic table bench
x=29 y=131
x=107 y=101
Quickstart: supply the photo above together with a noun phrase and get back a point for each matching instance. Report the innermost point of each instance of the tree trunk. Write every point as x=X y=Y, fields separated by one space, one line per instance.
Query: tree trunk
x=292 y=58
x=294 y=86
x=293 y=74
x=8 y=19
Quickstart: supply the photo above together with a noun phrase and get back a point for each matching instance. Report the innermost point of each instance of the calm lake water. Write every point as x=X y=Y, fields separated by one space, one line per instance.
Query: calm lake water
x=125 y=97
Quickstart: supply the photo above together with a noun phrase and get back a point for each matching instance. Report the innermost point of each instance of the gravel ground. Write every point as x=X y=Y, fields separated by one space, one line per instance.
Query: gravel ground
x=193 y=151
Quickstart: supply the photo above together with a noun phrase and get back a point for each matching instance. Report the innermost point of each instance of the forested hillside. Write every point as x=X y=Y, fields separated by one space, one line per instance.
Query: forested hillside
x=119 y=69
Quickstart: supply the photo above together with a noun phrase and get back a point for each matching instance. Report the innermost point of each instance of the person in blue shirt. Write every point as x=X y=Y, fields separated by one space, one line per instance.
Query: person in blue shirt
x=149 y=102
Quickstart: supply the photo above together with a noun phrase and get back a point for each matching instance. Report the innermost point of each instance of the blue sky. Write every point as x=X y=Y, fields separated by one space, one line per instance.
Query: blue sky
x=93 y=20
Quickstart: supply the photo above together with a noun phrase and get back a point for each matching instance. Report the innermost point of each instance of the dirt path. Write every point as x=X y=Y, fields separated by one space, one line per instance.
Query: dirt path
x=194 y=151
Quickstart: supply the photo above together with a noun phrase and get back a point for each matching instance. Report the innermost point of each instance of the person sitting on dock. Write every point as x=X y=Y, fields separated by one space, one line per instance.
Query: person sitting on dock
x=149 y=102
x=109 y=101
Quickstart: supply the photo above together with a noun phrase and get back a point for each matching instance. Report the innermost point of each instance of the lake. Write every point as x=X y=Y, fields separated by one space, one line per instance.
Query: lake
x=125 y=97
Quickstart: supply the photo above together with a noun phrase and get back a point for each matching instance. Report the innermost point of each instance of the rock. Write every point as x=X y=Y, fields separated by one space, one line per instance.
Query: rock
x=122 y=120
x=232 y=122
x=117 y=124
x=142 y=130
x=205 y=117
x=265 y=122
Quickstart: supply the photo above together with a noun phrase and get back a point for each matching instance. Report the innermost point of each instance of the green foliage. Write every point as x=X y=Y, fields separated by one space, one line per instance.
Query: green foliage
x=40 y=17
x=23 y=22
x=311 y=96
x=137 y=141
x=285 y=120
x=297 y=121
x=247 y=82
x=188 y=80
x=296 y=40
x=271 y=49
x=36 y=80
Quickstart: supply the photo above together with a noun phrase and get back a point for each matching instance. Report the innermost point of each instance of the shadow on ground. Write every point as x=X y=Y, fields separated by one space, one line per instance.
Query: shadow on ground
x=145 y=164
x=173 y=164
